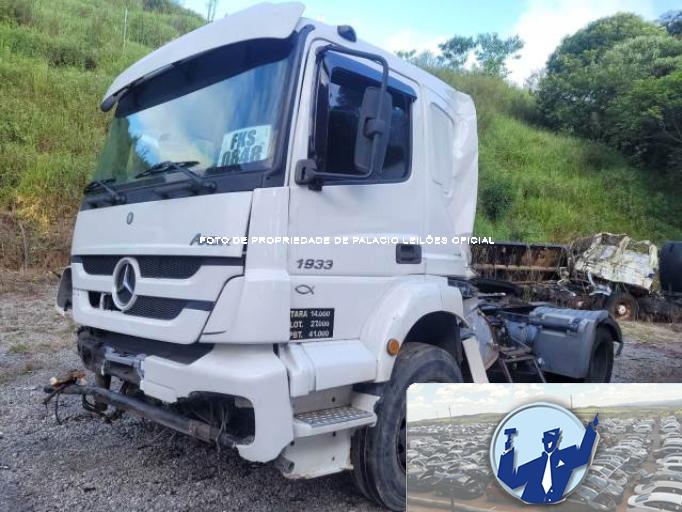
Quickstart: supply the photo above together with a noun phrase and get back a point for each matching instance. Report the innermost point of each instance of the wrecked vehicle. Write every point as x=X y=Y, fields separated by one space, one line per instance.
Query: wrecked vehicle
x=619 y=268
x=201 y=278
x=605 y=271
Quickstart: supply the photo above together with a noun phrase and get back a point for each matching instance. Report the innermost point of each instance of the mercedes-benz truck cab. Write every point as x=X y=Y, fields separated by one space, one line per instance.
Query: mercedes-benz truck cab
x=273 y=247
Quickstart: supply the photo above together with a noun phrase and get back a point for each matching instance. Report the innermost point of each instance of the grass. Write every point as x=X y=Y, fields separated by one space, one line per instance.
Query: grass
x=57 y=58
x=536 y=185
x=19 y=348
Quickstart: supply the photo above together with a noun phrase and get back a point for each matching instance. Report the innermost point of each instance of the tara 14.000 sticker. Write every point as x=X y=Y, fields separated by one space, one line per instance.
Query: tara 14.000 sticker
x=309 y=323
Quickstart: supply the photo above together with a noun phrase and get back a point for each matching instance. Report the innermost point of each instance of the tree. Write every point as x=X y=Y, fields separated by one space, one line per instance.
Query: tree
x=492 y=52
x=672 y=22
x=532 y=82
x=426 y=59
x=614 y=81
x=456 y=50
x=407 y=55
x=645 y=114
x=211 y=7
x=588 y=45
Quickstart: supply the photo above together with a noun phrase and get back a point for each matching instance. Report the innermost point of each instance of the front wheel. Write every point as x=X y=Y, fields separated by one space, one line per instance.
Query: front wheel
x=378 y=453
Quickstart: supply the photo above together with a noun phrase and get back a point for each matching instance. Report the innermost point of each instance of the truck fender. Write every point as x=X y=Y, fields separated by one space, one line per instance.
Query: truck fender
x=400 y=309
x=564 y=338
x=610 y=324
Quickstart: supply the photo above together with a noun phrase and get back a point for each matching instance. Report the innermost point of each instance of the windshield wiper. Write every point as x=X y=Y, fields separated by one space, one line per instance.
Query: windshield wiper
x=196 y=183
x=168 y=166
x=114 y=196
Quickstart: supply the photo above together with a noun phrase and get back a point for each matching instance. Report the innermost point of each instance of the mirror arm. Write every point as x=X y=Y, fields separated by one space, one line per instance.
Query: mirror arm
x=306 y=173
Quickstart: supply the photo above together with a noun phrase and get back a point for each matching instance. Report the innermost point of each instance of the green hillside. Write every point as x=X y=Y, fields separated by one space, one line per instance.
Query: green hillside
x=537 y=185
x=58 y=57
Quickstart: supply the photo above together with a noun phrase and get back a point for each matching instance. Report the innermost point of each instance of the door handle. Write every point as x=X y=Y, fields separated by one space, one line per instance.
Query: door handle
x=410 y=254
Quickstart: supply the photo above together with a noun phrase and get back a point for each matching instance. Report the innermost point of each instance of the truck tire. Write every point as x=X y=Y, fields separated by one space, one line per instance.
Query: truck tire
x=622 y=306
x=601 y=360
x=378 y=453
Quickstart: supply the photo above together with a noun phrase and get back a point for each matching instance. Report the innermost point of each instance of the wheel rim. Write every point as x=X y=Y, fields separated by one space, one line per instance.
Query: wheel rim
x=623 y=310
x=400 y=443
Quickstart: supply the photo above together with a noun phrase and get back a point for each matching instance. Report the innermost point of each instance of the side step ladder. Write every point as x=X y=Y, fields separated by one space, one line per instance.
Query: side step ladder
x=333 y=419
x=514 y=356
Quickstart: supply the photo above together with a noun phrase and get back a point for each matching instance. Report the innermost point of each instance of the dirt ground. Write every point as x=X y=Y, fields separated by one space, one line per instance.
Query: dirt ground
x=86 y=464
x=651 y=353
x=131 y=465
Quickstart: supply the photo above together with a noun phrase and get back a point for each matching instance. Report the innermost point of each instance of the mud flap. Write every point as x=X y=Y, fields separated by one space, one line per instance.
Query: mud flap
x=473 y=356
x=64 y=293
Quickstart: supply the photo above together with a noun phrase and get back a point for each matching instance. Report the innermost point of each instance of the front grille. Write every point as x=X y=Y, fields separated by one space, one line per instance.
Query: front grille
x=159 y=308
x=99 y=265
x=173 y=267
x=167 y=267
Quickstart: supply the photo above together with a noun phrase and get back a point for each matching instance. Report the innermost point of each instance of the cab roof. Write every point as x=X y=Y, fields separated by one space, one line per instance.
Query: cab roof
x=265 y=20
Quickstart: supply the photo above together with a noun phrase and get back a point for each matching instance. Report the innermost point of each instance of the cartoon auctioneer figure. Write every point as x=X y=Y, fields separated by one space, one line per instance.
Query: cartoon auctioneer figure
x=546 y=477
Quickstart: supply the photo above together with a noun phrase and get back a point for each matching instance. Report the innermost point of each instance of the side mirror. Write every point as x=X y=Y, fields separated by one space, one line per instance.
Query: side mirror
x=373 y=131
x=374 y=127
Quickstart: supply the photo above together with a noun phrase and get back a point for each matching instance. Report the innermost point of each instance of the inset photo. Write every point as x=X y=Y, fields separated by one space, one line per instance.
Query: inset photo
x=594 y=447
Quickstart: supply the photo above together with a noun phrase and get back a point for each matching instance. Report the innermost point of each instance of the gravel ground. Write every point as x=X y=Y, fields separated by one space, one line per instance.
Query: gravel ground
x=651 y=353
x=86 y=464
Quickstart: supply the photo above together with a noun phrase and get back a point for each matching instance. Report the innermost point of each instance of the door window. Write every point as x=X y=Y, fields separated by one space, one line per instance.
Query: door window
x=339 y=98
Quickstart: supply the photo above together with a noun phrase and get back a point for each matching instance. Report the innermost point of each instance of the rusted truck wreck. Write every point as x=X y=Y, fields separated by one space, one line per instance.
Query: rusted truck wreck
x=605 y=271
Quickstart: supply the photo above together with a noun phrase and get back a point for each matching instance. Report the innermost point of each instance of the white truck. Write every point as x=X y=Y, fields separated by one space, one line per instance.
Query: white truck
x=274 y=247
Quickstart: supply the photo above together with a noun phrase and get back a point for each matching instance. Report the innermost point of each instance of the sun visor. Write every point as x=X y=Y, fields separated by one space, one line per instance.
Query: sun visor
x=275 y=21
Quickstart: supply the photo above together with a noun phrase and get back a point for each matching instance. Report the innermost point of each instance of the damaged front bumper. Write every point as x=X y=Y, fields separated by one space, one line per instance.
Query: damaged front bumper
x=121 y=401
x=252 y=374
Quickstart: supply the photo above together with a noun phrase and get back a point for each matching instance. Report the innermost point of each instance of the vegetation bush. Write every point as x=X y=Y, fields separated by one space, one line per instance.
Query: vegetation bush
x=618 y=80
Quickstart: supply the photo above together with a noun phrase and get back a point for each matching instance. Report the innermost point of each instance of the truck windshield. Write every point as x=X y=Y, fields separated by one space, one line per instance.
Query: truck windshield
x=222 y=111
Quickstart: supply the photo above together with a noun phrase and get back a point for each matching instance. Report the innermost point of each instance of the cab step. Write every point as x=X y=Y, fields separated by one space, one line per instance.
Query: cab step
x=322 y=421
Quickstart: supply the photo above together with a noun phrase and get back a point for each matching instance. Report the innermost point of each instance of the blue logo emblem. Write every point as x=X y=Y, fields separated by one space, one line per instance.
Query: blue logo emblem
x=540 y=452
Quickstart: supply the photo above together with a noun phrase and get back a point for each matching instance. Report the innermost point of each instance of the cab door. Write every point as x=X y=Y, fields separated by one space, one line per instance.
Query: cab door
x=364 y=226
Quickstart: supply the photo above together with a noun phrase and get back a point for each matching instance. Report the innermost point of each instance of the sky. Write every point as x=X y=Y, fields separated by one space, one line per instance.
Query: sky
x=423 y=24
x=426 y=401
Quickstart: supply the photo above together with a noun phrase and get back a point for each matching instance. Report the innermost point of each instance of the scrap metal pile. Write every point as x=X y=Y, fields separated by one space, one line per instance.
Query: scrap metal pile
x=606 y=271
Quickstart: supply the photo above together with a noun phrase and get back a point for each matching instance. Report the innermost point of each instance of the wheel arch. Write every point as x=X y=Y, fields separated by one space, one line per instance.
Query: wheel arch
x=440 y=329
x=425 y=307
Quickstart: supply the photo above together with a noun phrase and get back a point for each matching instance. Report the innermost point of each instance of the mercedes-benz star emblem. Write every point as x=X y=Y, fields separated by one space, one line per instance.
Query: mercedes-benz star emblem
x=125 y=277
